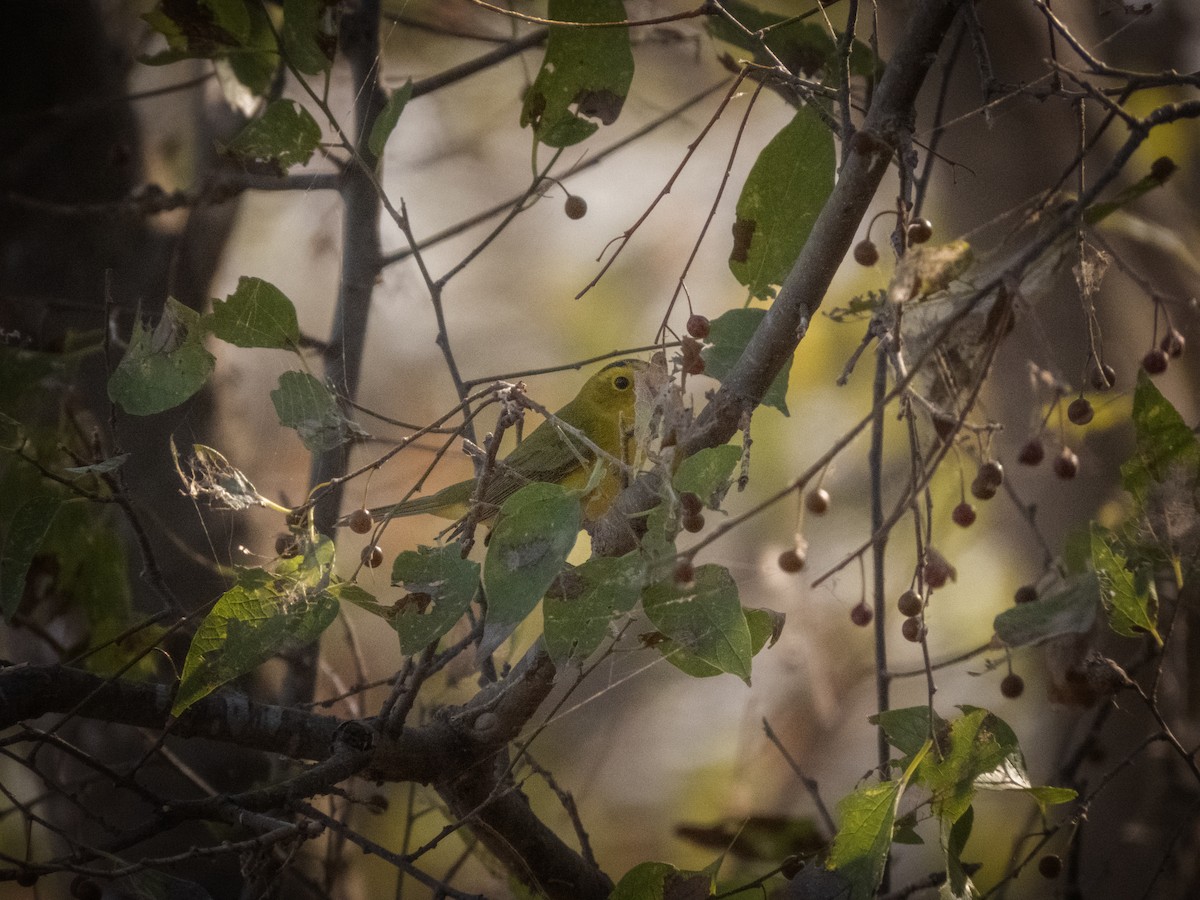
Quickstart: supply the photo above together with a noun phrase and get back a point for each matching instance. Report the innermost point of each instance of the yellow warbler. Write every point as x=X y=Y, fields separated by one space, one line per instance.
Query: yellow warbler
x=603 y=411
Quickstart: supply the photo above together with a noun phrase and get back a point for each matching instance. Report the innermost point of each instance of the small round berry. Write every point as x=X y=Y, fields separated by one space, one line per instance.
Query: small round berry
x=698 y=326
x=791 y=867
x=1066 y=464
x=982 y=490
x=685 y=572
x=372 y=556
x=991 y=472
x=84 y=888
x=286 y=545
x=913 y=630
x=692 y=524
x=1012 y=686
x=964 y=515
x=690 y=503
x=937 y=569
x=1032 y=453
x=866 y=253
x=919 y=231
x=792 y=561
x=1162 y=168
x=1080 y=411
x=360 y=521
x=1155 y=362
x=1026 y=593
x=1103 y=377
x=817 y=502
x=909 y=604
x=575 y=207
x=1050 y=866
x=1173 y=344
x=861 y=615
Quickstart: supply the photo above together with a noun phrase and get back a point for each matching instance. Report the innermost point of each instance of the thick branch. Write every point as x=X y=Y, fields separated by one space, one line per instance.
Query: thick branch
x=801 y=294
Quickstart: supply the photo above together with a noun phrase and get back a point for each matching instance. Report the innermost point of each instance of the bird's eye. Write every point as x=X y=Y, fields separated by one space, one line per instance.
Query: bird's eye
x=621 y=382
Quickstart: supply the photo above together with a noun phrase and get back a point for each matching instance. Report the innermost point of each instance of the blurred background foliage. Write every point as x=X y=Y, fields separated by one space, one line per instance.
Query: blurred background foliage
x=643 y=748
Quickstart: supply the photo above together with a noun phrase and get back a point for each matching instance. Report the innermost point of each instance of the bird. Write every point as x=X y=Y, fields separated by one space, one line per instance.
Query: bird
x=603 y=410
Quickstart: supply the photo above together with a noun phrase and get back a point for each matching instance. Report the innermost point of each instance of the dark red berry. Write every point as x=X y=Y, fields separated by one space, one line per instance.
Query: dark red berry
x=694 y=523
x=937 y=569
x=360 y=521
x=1162 y=168
x=286 y=546
x=919 y=231
x=575 y=207
x=992 y=473
x=698 y=326
x=1050 y=866
x=913 y=630
x=1066 y=464
x=1026 y=593
x=982 y=490
x=792 y=561
x=1155 y=362
x=861 y=615
x=1080 y=411
x=1032 y=453
x=372 y=556
x=690 y=503
x=1012 y=686
x=685 y=572
x=909 y=604
x=964 y=515
x=1103 y=377
x=1173 y=344
x=27 y=878
x=817 y=502
x=866 y=253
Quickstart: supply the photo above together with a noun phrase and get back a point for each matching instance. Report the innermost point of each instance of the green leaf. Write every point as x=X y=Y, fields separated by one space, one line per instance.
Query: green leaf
x=259 y=616
x=1130 y=600
x=309 y=47
x=1166 y=447
x=256 y=314
x=704 y=618
x=283 y=136
x=707 y=473
x=766 y=625
x=307 y=405
x=860 y=848
x=1051 y=796
x=645 y=881
x=958 y=883
x=163 y=367
x=908 y=729
x=729 y=334
x=609 y=588
x=785 y=190
x=23 y=536
x=441 y=585
x=584 y=77
x=1068 y=608
x=805 y=48
x=386 y=121
x=535 y=531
